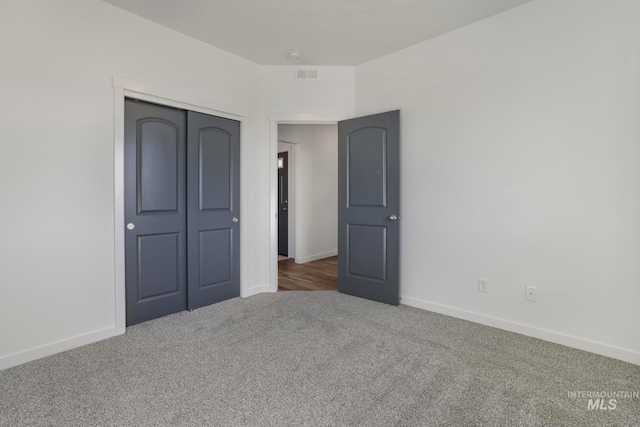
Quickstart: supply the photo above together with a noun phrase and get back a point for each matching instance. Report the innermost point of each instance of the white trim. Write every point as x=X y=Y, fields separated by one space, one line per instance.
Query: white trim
x=25 y=356
x=302 y=118
x=273 y=206
x=293 y=197
x=316 y=257
x=258 y=290
x=530 y=331
x=274 y=120
x=294 y=201
x=146 y=92
x=178 y=99
x=118 y=179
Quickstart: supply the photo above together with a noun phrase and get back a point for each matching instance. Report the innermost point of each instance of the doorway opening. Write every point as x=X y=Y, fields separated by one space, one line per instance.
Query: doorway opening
x=307 y=206
x=368 y=202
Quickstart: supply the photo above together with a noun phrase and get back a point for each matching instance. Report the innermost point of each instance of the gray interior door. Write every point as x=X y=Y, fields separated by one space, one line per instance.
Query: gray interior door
x=155 y=211
x=283 y=204
x=213 y=168
x=368 y=207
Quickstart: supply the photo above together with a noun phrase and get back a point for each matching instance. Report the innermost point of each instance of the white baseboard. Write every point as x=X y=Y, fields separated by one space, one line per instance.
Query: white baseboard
x=45 y=350
x=25 y=356
x=626 y=355
x=302 y=260
x=256 y=290
x=623 y=354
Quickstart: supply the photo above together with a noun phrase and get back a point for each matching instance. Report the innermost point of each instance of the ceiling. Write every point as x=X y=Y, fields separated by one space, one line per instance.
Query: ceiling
x=327 y=32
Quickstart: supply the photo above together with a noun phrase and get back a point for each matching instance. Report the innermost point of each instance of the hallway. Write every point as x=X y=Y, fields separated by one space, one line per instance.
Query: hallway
x=320 y=275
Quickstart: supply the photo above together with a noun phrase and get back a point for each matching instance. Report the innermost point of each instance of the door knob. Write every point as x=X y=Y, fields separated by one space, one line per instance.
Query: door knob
x=131 y=226
x=234 y=219
x=393 y=217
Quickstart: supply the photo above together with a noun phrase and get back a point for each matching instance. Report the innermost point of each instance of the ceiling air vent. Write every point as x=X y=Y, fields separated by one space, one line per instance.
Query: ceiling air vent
x=307 y=74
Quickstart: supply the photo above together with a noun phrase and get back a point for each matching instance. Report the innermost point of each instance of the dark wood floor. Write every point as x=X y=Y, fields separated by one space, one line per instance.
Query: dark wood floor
x=320 y=275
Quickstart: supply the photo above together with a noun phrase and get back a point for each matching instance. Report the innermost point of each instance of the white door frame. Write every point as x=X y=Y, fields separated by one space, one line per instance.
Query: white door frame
x=292 y=152
x=126 y=88
x=276 y=119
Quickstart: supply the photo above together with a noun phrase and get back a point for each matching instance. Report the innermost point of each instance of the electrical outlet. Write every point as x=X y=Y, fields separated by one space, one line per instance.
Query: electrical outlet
x=483 y=285
x=531 y=293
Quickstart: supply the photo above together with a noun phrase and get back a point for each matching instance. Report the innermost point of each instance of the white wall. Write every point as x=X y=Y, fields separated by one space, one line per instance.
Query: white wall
x=333 y=92
x=57 y=162
x=521 y=164
x=58 y=59
x=316 y=189
x=291 y=101
x=284 y=147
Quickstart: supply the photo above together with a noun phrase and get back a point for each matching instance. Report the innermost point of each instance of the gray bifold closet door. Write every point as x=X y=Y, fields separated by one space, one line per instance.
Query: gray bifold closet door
x=181 y=210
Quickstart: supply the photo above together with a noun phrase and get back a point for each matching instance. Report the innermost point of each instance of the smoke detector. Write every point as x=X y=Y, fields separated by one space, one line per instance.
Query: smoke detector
x=295 y=55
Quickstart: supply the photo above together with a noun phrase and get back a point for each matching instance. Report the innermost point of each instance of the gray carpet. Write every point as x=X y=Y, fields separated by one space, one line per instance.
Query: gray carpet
x=320 y=359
